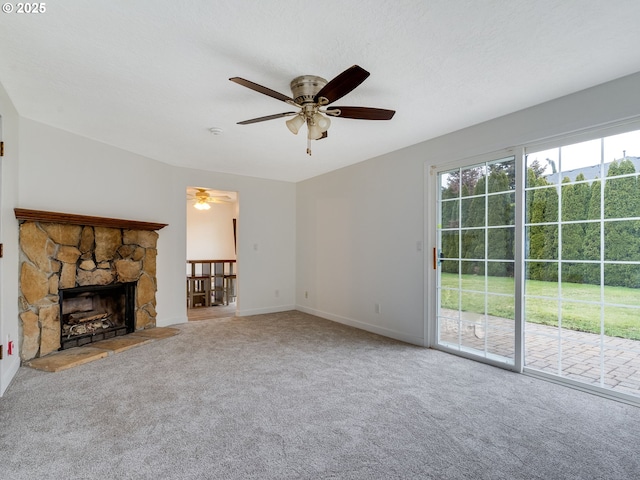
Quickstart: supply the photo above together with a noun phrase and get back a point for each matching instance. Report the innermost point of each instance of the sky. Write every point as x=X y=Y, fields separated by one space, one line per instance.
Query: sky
x=580 y=155
x=586 y=154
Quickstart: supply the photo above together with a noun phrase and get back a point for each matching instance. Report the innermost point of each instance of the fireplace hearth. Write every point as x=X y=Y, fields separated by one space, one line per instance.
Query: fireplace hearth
x=93 y=313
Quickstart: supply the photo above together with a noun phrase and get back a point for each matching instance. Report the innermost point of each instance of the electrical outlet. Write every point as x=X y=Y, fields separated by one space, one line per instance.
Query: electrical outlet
x=277 y=293
x=306 y=294
x=376 y=308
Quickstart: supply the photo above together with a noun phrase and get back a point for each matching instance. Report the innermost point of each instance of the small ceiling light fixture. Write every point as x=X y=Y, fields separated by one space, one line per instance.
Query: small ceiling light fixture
x=295 y=123
x=304 y=89
x=202 y=205
x=216 y=130
x=202 y=199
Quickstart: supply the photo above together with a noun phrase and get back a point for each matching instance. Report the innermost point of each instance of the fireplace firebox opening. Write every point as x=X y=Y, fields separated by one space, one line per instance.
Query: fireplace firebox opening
x=93 y=313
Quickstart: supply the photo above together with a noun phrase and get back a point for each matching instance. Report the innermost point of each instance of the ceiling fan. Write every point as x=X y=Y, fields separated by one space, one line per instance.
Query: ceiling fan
x=312 y=95
x=202 y=198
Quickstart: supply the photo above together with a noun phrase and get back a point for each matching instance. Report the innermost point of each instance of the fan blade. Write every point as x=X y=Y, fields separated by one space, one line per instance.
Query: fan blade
x=261 y=89
x=268 y=117
x=342 y=84
x=362 y=113
x=220 y=198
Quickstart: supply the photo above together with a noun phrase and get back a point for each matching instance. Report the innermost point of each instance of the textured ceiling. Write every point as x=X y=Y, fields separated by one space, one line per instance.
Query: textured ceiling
x=151 y=76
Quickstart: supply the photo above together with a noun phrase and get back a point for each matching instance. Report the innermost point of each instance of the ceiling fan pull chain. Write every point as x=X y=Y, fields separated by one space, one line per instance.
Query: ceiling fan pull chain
x=308 y=146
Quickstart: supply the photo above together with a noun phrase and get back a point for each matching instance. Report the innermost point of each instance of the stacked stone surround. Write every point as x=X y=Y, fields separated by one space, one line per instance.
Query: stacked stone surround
x=59 y=256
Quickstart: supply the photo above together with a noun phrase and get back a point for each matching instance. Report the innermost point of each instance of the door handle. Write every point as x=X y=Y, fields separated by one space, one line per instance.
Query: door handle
x=437 y=258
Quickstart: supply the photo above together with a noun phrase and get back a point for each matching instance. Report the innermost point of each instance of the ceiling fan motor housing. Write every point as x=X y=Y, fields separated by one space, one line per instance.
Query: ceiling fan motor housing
x=305 y=88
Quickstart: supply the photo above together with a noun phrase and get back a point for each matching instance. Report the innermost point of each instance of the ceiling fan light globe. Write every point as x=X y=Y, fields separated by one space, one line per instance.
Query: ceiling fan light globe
x=322 y=122
x=201 y=205
x=314 y=132
x=295 y=123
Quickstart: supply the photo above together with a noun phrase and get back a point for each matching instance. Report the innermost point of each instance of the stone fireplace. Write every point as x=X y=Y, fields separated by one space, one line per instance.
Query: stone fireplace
x=77 y=271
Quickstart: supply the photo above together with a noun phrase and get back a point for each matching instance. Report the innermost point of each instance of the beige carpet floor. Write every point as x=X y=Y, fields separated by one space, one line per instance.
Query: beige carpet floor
x=293 y=396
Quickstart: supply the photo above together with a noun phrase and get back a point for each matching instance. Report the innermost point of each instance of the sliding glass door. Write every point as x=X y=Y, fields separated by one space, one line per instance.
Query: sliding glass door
x=537 y=262
x=475 y=264
x=582 y=262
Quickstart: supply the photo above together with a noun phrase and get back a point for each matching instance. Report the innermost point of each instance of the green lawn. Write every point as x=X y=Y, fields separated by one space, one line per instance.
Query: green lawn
x=619 y=321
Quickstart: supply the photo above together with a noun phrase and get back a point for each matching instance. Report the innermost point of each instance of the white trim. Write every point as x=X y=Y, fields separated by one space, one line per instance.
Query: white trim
x=385 y=332
x=518 y=257
x=171 y=321
x=477 y=358
x=430 y=243
x=260 y=311
x=584 y=387
x=583 y=135
x=10 y=372
x=496 y=156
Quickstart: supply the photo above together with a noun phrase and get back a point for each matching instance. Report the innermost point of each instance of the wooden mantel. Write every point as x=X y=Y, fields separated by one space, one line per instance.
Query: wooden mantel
x=72 y=219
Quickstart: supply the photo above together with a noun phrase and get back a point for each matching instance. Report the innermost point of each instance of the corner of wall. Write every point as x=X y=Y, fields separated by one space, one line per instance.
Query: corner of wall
x=8 y=372
x=9 y=327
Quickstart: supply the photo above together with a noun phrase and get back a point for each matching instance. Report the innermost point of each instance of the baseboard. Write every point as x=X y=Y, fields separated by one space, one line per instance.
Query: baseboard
x=9 y=373
x=165 y=322
x=385 y=332
x=260 y=311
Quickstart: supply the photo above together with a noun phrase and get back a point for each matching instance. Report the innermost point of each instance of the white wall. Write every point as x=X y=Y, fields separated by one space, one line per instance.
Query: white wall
x=63 y=172
x=358 y=230
x=210 y=232
x=9 y=238
x=358 y=227
x=60 y=171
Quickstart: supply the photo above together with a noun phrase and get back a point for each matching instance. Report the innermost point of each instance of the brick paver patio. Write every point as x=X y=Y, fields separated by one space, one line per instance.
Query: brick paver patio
x=570 y=354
